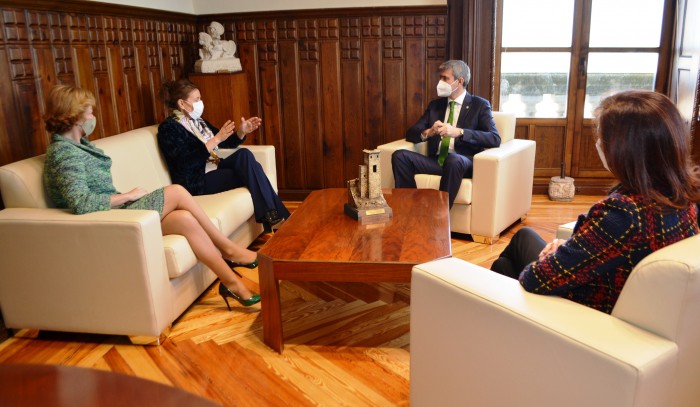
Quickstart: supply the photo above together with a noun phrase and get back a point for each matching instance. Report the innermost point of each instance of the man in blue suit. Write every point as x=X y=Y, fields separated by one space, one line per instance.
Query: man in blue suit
x=456 y=126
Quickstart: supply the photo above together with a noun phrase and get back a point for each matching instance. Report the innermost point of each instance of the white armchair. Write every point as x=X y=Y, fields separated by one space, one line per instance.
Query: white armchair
x=500 y=191
x=479 y=339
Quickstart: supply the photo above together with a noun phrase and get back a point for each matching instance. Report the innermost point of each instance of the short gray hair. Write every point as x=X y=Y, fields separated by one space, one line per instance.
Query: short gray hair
x=459 y=68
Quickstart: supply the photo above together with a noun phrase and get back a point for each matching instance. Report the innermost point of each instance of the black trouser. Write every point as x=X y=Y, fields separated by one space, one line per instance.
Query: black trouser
x=523 y=249
x=240 y=169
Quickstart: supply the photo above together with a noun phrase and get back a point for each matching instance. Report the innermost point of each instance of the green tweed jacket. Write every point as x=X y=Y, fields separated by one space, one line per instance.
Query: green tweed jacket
x=77 y=176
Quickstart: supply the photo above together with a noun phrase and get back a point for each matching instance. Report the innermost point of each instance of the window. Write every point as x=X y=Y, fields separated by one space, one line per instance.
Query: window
x=550 y=48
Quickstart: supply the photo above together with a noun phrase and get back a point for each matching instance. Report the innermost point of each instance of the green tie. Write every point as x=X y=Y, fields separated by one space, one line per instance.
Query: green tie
x=445 y=142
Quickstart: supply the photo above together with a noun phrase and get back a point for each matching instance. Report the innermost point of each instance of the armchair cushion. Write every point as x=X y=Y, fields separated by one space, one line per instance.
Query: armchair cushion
x=464 y=195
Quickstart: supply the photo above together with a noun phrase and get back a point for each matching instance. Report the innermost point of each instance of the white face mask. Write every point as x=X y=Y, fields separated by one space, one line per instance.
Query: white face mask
x=197 y=110
x=601 y=154
x=444 y=89
x=89 y=126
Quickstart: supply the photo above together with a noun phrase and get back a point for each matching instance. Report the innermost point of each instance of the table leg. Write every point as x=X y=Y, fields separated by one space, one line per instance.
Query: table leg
x=270 y=307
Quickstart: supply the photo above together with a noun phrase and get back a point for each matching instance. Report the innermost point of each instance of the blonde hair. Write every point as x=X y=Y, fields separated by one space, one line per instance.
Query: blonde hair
x=65 y=105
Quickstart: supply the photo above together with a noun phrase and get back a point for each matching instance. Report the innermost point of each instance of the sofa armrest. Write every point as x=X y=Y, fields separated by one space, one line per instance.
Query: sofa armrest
x=502 y=186
x=385 y=157
x=478 y=338
x=84 y=273
x=265 y=155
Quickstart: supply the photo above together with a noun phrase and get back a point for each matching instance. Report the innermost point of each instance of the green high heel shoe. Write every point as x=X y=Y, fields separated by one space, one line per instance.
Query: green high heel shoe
x=225 y=293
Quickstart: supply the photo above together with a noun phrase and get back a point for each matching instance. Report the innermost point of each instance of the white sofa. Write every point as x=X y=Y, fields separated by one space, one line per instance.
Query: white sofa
x=108 y=272
x=479 y=339
x=498 y=194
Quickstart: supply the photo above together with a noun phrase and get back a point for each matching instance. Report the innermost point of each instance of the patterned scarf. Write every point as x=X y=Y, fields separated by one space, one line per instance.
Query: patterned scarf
x=200 y=129
x=197 y=127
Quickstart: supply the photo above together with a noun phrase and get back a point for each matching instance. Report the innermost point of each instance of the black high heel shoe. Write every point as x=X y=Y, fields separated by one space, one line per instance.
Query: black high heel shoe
x=233 y=264
x=272 y=221
x=225 y=293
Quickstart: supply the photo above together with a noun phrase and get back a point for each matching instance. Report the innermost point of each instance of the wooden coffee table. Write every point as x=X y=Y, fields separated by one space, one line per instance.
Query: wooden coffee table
x=70 y=386
x=320 y=243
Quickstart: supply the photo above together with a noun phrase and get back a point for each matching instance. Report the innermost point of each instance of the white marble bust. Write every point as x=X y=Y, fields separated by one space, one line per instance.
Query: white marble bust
x=215 y=54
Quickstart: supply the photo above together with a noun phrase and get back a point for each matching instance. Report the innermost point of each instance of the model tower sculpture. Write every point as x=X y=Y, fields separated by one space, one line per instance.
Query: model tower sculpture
x=366 y=202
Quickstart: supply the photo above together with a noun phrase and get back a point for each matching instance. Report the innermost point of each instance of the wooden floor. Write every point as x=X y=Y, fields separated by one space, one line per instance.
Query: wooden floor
x=345 y=344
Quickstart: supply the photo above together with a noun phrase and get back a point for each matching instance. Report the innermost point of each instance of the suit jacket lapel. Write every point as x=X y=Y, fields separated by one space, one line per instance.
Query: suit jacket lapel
x=465 y=111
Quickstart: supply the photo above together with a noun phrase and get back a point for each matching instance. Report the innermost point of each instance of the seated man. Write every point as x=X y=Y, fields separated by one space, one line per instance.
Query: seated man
x=456 y=126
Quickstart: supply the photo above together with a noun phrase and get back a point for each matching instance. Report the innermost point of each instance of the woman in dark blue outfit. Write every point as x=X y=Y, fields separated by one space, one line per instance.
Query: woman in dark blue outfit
x=189 y=144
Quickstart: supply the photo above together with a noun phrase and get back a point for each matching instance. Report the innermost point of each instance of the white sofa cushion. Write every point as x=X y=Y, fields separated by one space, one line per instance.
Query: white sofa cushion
x=136 y=159
x=464 y=195
x=228 y=209
x=179 y=256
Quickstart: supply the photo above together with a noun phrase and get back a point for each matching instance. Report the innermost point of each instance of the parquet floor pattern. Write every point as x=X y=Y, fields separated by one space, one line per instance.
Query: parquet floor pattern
x=346 y=344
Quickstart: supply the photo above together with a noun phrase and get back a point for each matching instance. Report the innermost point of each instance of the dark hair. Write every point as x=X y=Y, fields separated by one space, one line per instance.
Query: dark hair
x=172 y=91
x=65 y=105
x=647 y=147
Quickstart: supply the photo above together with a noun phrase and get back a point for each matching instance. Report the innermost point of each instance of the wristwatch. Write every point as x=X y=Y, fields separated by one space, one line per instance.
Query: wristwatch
x=461 y=132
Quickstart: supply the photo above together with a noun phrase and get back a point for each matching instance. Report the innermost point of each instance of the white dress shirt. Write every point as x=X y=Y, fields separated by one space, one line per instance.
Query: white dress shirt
x=458 y=107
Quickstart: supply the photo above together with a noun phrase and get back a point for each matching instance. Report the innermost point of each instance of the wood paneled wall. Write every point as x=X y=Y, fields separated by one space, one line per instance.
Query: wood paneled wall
x=330 y=83
x=121 y=54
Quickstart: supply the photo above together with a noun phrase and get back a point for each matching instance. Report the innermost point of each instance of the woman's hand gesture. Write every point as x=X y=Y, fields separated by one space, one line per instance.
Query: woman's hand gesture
x=225 y=131
x=249 y=126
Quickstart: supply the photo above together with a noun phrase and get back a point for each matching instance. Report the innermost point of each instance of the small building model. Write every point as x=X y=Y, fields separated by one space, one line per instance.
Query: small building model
x=366 y=202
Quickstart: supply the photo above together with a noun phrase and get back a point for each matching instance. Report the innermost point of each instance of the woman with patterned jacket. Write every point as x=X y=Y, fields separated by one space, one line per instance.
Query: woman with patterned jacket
x=189 y=145
x=77 y=176
x=644 y=142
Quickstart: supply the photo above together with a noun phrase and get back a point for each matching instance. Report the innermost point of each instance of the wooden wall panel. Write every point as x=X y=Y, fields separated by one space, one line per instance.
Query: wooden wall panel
x=147 y=93
x=332 y=137
x=393 y=72
x=311 y=139
x=289 y=131
x=586 y=162
x=374 y=83
x=247 y=53
x=29 y=116
x=46 y=79
x=352 y=89
x=416 y=78
x=8 y=139
x=550 y=148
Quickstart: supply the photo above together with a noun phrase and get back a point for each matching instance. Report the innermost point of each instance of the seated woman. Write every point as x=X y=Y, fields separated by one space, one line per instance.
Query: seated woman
x=645 y=143
x=189 y=144
x=77 y=176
